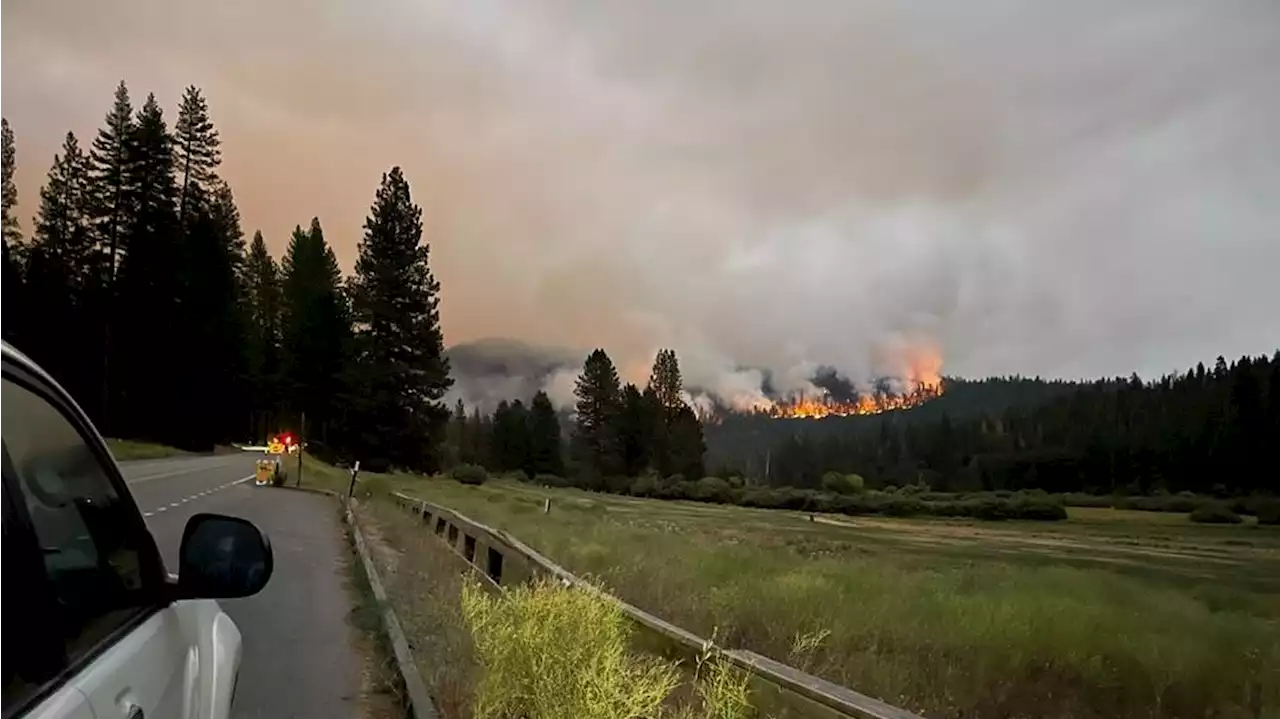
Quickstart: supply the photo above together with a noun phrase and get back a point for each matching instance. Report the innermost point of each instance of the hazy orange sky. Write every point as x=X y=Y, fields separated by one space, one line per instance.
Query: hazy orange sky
x=1058 y=188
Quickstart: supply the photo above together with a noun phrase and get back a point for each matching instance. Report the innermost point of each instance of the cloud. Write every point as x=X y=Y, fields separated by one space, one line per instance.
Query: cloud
x=1058 y=189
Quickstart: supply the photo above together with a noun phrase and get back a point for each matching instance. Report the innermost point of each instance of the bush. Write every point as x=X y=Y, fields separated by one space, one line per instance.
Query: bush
x=551 y=480
x=1267 y=510
x=1040 y=509
x=518 y=475
x=645 y=485
x=711 y=489
x=469 y=474
x=837 y=483
x=1215 y=514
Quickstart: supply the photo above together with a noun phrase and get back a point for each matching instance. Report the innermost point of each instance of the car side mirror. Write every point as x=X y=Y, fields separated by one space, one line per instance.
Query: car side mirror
x=222 y=558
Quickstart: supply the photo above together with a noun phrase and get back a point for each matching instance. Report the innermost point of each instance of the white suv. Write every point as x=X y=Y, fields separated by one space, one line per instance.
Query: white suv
x=94 y=627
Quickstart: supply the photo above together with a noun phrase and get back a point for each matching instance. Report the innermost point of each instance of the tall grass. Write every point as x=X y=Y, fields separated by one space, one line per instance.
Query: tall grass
x=547 y=650
x=983 y=634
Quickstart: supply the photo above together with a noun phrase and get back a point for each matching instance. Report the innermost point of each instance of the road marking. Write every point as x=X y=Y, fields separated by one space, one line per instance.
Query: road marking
x=197 y=495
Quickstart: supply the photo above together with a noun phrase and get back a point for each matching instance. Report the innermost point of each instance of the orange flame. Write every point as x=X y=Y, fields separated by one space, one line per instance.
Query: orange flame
x=810 y=407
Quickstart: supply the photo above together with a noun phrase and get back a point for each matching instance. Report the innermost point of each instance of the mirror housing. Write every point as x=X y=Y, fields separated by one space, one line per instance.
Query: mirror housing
x=222 y=558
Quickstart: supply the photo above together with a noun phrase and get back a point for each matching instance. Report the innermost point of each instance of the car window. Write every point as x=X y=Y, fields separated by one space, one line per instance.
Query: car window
x=94 y=557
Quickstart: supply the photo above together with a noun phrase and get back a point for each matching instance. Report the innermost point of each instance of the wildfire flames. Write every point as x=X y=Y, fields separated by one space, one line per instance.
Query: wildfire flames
x=808 y=407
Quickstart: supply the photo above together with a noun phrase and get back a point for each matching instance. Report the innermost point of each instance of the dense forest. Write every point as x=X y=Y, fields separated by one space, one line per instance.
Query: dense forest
x=1209 y=430
x=617 y=431
x=135 y=290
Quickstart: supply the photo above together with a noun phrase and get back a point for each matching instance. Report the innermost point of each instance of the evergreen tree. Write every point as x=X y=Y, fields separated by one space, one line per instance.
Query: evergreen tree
x=316 y=341
x=262 y=297
x=9 y=190
x=196 y=151
x=10 y=269
x=511 y=436
x=61 y=276
x=148 y=278
x=545 y=454
x=457 y=449
x=596 y=441
x=665 y=380
x=211 y=319
x=687 y=447
x=635 y=430
x=666 y=400
x=402 y=369
x=110 y=160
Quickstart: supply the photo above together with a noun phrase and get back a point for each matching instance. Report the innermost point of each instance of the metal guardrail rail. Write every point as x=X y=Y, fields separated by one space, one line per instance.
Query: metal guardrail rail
x=505 y=560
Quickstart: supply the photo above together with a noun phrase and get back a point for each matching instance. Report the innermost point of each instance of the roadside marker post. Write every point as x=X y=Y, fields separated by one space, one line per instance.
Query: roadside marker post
x=351 y=489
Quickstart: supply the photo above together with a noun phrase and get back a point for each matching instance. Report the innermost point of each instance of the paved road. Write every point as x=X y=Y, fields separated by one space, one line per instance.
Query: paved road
x=298 y=657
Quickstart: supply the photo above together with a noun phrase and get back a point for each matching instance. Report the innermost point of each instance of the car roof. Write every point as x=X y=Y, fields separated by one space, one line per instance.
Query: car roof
x=13 y=355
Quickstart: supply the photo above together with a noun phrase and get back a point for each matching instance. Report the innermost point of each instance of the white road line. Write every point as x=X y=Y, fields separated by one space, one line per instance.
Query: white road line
x=161 y=509
x=242 y=480
x=147 y=514
x=173 y=504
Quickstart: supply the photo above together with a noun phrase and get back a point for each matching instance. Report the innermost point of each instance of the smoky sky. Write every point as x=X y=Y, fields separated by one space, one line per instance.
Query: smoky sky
x=1064 y=189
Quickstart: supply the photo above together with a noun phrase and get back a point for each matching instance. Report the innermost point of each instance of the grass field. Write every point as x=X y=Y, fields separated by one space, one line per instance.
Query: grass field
x=1109 y=614
x=1103 y=616
x=127 y=449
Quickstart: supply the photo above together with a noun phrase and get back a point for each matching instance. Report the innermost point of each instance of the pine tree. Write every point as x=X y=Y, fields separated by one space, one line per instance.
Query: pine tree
x=511 y=436
x=110 y=159
x=315 y=340
x=687 y=447
x=596 y=441
x=262 y=297
x=403 y=370
x=14 y=319
x=148 y=279
x=666 y=399
x=545 y=454
x=665 y=380
x=196 y=151
x=211 y=319
x=635 y=430
x=9 y=190
x=61 y=275
x=457 y=450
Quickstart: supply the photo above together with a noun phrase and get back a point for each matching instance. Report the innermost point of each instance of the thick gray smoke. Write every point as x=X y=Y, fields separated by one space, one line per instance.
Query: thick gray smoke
x=1068 y=189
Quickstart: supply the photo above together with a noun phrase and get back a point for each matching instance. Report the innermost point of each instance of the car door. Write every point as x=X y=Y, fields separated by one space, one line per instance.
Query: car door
x=96 y=578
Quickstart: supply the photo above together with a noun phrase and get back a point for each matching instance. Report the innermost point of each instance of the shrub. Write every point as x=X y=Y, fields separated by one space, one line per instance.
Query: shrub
x=469 y=474
x=1215 y=514
x=645 y=485
x=837 y=483
x=1040 y=509
x=711 y=489
x=550 y=480
x=1267 y=510
x=519 y=475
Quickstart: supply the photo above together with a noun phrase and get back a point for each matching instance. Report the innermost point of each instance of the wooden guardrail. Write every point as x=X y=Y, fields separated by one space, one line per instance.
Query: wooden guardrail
x=778 y=689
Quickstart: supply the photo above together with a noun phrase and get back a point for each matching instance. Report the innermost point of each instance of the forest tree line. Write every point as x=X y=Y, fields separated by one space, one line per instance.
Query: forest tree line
x=1208 y=430
x=133 y=287
x=617 y=430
